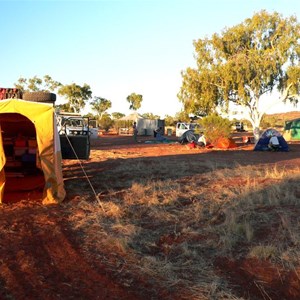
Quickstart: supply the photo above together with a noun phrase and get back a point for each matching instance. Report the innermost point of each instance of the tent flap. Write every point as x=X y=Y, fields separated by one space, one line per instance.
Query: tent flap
x=48 y=148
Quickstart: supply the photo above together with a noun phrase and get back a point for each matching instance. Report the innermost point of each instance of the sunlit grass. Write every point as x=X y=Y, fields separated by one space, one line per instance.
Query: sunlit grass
x=172 y=229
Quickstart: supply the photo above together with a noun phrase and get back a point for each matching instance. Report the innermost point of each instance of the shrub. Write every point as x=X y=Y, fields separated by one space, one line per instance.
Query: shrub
x=268 y=121
x=106 y=122
x=215 y=127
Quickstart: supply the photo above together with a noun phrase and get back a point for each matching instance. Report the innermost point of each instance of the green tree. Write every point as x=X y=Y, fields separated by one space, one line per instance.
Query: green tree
x=90 y=115
x=150 y=116
x=135 y=101
x=35 y=84
x=169 y=121
x=215 y=127
x=182 y=116
x=106 y=122
x=117 y=115
x=100 y=105
x=76 y=95
x=243 y=64
x=268 y=121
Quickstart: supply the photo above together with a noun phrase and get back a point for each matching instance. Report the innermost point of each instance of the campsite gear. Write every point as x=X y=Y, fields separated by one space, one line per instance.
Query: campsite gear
x=263 y=142
x=225 y=143
x=44 y=97
x=36 y=121
x=292 y=130
x=10 y=93
x=188 y=137
x=169 y=131
x=246 y=140
x=192 y=145
x=201 y=141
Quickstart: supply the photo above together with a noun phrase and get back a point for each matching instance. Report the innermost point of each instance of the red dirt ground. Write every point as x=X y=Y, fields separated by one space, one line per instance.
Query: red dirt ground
x=42 y=258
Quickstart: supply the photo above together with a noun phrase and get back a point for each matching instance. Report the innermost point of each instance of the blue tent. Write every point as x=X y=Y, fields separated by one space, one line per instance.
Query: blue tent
x=263 y=142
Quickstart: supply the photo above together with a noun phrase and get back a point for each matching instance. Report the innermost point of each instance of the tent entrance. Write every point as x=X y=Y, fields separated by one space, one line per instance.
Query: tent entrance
x=23 y=178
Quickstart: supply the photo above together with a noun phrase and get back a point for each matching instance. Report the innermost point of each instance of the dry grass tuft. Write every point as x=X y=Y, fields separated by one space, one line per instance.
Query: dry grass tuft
x=171 y=229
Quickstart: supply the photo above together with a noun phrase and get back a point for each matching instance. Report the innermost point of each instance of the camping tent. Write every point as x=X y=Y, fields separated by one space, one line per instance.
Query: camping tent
x=263 y=142
x=188 y=137
x=292 y=130
x=29 y=143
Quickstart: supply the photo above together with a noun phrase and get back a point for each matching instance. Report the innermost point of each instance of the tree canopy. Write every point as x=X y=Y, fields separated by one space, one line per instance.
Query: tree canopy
x=135 y=101
x=76 y=95
x=150 y=116
x=242 y=64
x=100 y=105
x=117 y=115
x=34 y=84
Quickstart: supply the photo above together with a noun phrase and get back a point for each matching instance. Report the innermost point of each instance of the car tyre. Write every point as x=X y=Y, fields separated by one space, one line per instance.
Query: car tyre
x=39 y=97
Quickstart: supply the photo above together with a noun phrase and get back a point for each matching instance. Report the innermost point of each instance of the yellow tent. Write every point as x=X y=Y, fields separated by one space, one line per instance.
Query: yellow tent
x=34 y=124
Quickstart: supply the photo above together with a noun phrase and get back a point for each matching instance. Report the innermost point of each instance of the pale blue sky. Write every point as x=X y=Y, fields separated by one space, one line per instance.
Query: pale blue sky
x=117 y=47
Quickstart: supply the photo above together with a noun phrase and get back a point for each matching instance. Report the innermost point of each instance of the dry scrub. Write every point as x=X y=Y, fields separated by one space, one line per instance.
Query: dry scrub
x=174 y=226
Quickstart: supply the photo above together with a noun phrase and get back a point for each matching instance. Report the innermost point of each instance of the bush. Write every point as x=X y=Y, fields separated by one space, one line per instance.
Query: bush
x=268 y=122
x=106 y=122
x=215 y=127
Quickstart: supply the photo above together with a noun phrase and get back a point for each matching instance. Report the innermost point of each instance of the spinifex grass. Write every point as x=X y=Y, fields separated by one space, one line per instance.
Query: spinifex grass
x=172 y=229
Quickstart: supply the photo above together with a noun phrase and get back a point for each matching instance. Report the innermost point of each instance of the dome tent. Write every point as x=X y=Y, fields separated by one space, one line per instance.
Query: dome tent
x=263 y=142
x=188 y=136
x=19 y=117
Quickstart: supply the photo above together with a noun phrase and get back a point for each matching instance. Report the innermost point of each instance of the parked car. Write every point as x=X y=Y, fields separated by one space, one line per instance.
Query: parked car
x=72 y=124
x=182 y=127
x=74 y=134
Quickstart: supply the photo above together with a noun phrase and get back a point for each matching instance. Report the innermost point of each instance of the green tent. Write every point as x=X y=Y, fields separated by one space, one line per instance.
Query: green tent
x=292 y=130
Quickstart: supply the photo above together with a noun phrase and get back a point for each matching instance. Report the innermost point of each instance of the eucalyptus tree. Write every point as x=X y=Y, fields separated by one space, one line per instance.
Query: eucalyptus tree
x=76 y=95
x=182 y=116
x=135 y=101
x=150 y=116
x=35 y=84
x=243 y=64
x=106 y=122
x=169 y=120
x=100 y=106
x=117 y=115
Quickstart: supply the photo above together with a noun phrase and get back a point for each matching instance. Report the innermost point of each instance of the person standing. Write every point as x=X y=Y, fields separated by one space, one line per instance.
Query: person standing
x=135 y=131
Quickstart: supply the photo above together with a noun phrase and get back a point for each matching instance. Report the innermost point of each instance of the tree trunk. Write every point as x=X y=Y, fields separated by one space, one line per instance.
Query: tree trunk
x=256 y=133
x=255 y=119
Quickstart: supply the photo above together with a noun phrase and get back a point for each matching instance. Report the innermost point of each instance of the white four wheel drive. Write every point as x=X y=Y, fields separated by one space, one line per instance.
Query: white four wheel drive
x=182 y=127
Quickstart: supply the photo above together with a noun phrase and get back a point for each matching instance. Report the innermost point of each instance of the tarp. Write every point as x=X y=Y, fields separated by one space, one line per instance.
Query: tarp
x=263 y=142
x=42 y=117
x=292 y=130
